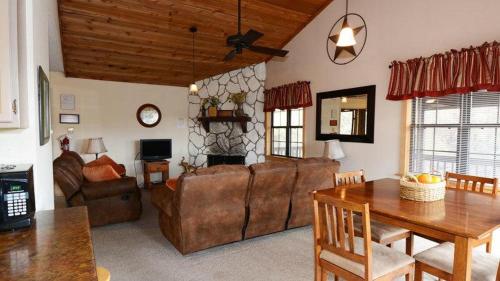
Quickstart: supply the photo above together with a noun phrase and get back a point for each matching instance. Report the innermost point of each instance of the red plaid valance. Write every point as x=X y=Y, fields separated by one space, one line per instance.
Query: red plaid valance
x=454 y=72
x=294 y=95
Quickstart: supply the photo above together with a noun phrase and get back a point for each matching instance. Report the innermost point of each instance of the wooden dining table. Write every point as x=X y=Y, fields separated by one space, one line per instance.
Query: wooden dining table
x=463 y=217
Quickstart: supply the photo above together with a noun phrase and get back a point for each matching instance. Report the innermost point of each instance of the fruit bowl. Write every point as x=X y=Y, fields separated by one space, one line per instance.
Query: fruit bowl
x=426 y=192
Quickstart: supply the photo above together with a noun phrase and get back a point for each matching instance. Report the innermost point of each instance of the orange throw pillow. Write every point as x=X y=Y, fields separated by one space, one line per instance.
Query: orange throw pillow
x=105 y=160
x=172 y=184
x=100 y=173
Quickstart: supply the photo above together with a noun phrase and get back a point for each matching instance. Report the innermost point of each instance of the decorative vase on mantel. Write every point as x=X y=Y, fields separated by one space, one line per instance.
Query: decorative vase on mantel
x=239 y=110
x=212 y=111
x=239 y=99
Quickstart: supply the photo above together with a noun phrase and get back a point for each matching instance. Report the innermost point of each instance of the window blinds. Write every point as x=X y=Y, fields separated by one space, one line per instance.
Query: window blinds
x=456 y=133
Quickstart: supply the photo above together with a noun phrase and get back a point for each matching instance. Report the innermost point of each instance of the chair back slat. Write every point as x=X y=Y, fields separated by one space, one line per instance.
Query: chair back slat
x=353 y=177
x=336 y=216
x=470 y=183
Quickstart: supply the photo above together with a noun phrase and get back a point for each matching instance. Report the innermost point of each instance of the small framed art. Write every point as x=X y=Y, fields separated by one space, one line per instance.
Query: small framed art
x=69 y=118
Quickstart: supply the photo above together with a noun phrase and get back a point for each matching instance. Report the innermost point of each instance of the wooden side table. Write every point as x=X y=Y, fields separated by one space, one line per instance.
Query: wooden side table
x=155 y=167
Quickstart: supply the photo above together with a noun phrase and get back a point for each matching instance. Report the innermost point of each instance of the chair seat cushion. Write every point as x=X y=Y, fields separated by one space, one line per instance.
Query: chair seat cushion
x=385 y=260
x=484 y=266
x=380 y=231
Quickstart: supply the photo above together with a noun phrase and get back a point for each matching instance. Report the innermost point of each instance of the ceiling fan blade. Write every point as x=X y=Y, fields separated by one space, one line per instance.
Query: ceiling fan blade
x=230 y=55
x=251 y=36
x=268 y=51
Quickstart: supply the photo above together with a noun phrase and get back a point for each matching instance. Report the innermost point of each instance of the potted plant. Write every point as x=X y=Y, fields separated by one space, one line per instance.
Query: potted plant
x=239 y=99
x=213 y=102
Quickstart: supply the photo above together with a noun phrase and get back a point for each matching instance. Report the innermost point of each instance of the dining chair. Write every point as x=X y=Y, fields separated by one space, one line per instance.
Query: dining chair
x=381 y=233
x=474 y=184
x=348 y=256
x=438 y=261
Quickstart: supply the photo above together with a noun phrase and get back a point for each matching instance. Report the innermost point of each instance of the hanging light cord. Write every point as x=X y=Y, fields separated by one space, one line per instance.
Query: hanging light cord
x=193 y=57
x=346 y=6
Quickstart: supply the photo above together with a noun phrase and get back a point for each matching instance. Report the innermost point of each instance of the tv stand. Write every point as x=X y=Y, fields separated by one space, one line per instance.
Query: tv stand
x=160 y=166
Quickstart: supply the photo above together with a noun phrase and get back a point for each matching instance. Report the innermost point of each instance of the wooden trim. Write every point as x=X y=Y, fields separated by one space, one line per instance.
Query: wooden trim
x=404 y=148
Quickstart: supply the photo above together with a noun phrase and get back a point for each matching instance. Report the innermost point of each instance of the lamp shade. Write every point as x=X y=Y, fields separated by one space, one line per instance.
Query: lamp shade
x=333 y=150
x=95 y=146
x=193 y=89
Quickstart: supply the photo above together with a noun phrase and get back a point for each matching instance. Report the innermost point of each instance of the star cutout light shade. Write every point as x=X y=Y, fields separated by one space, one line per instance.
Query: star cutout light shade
x=344 y=43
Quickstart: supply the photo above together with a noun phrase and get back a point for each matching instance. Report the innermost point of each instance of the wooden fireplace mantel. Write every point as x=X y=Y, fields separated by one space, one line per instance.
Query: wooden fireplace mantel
x=205 y=121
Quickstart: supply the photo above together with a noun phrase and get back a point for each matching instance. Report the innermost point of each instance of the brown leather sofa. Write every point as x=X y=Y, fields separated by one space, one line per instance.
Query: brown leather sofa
x=312 y=174
x=107 y=202
x=228 y=203
x=268 y=199
x=206 y=208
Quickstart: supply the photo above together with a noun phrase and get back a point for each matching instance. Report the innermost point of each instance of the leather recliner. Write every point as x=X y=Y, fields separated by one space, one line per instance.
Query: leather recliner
x=107 y=202
x=206 y=208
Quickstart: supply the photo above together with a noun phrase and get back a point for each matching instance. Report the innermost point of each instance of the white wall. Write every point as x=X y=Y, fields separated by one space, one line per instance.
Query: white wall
x=22 y=145
x=397 y=30
x=108 y=110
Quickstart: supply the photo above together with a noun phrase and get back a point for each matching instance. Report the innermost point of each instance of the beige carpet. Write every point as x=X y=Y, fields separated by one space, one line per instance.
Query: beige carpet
x=137 y=251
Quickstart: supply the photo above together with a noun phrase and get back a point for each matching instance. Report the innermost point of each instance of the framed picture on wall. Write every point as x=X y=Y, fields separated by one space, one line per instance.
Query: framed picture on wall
x=69 y=118
x=43 y=106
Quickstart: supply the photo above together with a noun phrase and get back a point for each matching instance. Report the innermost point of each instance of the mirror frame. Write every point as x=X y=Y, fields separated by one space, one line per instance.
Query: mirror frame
x=370 y=125
x=141 y=108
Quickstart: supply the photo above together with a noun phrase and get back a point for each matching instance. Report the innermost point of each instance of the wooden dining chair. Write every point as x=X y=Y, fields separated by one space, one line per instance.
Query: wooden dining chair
x=381 y=233
x=474 y=184
x=438 y=261
x=339 y=251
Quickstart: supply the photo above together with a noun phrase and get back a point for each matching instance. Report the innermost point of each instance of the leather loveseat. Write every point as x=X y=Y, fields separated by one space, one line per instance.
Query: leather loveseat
x=107 y=202
x=228 y=203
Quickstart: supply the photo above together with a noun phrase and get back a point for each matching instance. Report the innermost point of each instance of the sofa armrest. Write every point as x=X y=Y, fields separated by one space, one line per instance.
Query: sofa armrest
x=163 y=199
x=103 y=189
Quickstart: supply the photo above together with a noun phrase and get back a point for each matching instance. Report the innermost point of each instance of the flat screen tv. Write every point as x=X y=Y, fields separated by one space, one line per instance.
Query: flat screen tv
x=156 y=149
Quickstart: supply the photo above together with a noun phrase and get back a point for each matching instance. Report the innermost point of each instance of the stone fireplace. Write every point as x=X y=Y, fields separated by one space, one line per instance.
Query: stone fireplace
x=226 y=138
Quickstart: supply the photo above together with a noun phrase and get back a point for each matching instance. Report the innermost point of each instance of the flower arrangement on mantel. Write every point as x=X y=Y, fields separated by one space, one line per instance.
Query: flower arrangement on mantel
x=213 y=103
x=239 y=99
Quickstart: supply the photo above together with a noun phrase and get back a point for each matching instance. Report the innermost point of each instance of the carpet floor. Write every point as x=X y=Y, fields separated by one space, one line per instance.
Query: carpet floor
x=137 y=251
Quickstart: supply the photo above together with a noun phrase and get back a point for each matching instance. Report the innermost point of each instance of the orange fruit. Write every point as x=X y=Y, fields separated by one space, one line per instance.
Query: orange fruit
x=424 y=178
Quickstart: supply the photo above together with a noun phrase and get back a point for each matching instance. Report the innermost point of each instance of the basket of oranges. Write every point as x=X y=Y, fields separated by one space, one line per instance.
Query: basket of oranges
x=423 y=187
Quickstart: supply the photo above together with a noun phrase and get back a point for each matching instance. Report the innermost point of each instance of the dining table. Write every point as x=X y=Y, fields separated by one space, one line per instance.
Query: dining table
x=462 y=217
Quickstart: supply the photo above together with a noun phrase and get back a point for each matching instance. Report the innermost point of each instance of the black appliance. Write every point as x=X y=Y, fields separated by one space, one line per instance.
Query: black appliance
x=155 y=149
x=17 y=197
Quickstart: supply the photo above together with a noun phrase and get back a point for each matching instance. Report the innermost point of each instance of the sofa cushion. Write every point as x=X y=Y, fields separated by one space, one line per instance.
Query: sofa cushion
x=384 y=259
x=106 y=160
x=96 y=190
x=484 y=266
x=68 y=174
x=100 y=173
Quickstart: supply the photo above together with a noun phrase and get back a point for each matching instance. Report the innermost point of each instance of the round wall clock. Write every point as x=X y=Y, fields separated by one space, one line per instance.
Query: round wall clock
x=342 y=52
x=148 y=115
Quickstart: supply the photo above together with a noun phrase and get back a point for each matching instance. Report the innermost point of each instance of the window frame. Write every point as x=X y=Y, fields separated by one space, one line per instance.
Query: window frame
x=288 y=128
x=464 y=128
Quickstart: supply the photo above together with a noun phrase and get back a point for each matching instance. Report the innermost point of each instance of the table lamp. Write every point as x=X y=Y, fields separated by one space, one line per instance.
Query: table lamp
x=333 y=150
x=95 y=146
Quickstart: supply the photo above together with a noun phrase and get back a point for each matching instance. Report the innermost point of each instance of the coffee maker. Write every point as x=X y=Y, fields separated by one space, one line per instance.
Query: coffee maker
x=17 y=198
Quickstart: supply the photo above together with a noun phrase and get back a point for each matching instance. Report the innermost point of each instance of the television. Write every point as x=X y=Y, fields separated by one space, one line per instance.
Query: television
x=155 y=149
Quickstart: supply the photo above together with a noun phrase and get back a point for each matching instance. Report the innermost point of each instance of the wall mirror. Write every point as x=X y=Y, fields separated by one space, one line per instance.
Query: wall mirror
x=347 y=115
x=148 y=115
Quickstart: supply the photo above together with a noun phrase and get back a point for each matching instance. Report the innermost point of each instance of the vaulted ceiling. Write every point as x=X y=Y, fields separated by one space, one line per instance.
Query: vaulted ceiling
x=148 y=41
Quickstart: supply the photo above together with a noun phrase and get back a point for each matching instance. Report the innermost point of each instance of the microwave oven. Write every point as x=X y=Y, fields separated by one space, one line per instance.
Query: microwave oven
x=17 y=198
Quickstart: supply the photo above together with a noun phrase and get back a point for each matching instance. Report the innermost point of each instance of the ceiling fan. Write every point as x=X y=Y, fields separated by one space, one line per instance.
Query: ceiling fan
x=240 y=42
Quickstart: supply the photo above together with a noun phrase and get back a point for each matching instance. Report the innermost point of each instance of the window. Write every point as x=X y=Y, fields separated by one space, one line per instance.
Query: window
x=456 y=133
x=287 y=132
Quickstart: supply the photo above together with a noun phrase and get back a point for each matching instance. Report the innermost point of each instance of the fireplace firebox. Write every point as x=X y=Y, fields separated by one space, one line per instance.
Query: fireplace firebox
x=213 y=159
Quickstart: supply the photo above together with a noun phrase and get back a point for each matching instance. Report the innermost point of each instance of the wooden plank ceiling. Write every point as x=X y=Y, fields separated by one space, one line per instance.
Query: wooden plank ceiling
x=148 y=41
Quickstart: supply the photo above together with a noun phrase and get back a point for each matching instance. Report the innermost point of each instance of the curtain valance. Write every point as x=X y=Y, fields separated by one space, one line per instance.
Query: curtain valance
x=294 y=95
x=468 y=70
